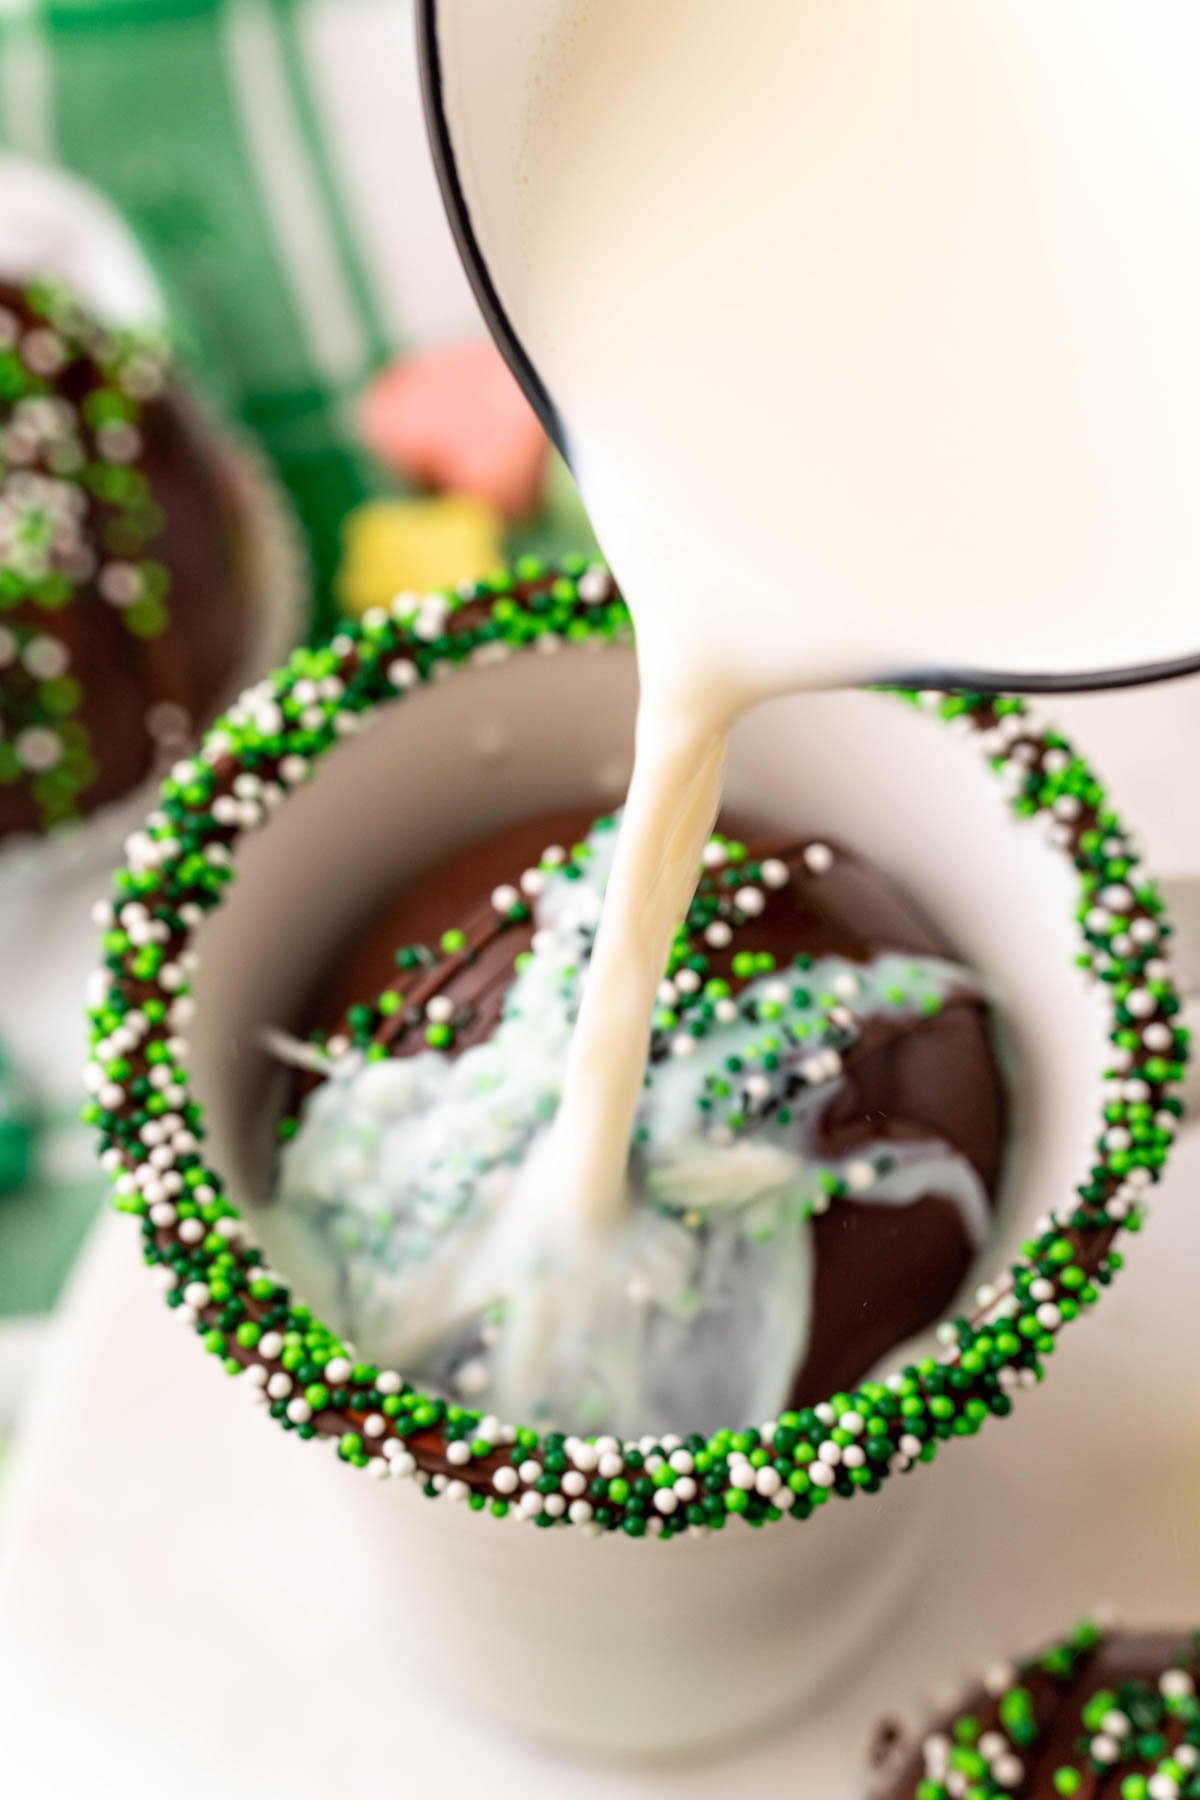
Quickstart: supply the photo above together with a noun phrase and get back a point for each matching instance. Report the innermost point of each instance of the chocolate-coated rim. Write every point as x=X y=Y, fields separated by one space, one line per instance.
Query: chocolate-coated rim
x=216 y=1278
x=508 y=342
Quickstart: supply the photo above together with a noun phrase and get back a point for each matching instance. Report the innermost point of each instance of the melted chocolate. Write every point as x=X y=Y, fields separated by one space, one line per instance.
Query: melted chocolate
x=883 y=1272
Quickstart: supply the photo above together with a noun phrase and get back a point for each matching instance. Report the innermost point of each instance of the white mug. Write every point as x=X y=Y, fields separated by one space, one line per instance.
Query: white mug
x=622 y=1647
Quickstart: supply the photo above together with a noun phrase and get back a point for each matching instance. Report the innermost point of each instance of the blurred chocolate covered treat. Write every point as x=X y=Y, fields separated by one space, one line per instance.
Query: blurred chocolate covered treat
x=1103 y=1715
x=126 y=571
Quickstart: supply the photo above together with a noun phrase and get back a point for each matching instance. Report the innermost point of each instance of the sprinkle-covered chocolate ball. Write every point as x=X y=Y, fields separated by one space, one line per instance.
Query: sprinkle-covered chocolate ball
x=124 y=580
x=1103 y=1715
x=822 y=1096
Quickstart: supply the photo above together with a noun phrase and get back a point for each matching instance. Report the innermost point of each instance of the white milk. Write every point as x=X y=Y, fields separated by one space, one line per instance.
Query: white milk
x=872 y=328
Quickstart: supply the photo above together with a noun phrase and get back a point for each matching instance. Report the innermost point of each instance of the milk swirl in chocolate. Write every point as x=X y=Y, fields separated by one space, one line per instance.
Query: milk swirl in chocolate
x=813 y=1164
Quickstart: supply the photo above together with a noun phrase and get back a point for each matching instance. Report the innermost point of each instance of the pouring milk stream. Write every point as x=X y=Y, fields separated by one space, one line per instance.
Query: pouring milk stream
x=872 y=329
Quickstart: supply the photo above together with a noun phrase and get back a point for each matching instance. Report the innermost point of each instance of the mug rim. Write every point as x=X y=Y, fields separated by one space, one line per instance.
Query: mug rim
x=180 y=865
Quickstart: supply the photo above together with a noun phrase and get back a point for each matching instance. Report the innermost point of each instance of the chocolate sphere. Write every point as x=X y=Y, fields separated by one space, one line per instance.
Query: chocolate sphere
x=125 y=587
x=915 y=1085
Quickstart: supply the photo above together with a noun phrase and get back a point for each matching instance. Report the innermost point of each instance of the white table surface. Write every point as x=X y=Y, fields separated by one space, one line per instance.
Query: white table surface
x=165 y=1629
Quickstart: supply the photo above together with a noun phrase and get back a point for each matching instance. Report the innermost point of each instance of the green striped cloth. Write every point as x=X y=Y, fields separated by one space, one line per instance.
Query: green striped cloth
x=269 y=156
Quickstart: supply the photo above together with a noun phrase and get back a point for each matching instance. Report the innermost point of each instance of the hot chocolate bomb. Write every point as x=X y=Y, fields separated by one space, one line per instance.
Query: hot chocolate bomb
x=812 y=1012
x=124 y=577
x=1103 y=1715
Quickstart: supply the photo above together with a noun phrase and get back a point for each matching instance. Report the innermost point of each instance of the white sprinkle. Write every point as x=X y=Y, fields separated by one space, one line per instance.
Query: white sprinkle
x=594 y=587
x=38 y=749
x=775 y=873
x=1000 y=1677
x=818 y=859
x=750 y=901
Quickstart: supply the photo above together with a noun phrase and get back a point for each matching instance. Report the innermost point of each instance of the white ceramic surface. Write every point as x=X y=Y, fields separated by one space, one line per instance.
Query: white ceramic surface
x=51 y=223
